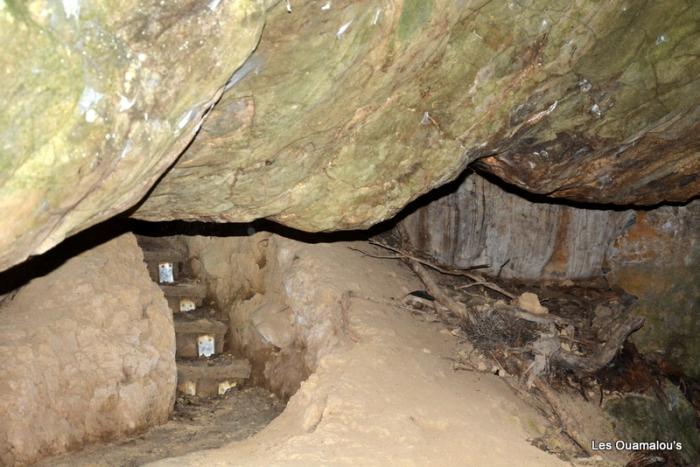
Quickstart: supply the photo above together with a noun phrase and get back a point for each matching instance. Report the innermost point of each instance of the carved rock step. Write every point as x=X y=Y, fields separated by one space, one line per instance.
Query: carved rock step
x=211 y=377
x=177 y=258
x=197 y=336
x=180 y=293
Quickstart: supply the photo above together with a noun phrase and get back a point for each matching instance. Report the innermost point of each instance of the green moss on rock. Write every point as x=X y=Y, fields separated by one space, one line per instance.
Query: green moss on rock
x=414 y=15
x=644 y=418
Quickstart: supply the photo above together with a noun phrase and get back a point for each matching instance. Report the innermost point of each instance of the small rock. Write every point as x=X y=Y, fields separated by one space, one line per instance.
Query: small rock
x=530 y=302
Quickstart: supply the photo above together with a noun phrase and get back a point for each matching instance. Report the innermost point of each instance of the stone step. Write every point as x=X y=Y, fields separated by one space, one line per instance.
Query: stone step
x=188 y=294
x=197 y=336
x=211 y=377
x=154 y=259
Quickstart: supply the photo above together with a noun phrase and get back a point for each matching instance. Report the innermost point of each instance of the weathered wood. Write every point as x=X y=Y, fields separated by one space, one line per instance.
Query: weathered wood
x=586 y=365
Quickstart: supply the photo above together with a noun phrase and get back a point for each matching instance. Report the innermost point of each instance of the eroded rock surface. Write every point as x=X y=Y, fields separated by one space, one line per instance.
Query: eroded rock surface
x=483 y=224
x=88 y=354
x=658 y=260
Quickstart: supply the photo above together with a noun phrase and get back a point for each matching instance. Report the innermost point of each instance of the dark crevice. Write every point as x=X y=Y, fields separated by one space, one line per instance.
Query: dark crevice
x=539 y=198
x=40 y=265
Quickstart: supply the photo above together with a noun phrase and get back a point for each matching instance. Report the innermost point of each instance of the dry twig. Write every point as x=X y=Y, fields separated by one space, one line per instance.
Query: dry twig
x=436 y=291
x=402 y=254
x=582 y=365
x=568 y=423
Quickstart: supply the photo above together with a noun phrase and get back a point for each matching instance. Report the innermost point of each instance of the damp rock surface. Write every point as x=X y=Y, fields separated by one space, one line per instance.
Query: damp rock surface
x=643 y=418
x=84 y=366
x=482 y=223
x=657 y=259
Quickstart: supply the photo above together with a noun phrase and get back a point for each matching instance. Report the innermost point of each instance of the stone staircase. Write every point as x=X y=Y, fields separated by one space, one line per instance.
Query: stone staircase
x=204 y=369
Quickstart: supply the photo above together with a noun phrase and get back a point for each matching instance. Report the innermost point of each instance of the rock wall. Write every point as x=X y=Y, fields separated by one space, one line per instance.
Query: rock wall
x=87 y=352
x=100 y=98
x=483 y=223
x=653 y=254
x=658 y=260
x=281 y=318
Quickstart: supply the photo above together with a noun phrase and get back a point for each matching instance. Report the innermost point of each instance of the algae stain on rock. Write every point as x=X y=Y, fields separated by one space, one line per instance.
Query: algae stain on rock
x=642 y=417
x=415 y=13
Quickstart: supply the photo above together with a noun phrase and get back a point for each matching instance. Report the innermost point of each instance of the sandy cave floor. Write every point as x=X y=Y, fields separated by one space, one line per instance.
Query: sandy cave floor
x=195 y=425
x=385 y=393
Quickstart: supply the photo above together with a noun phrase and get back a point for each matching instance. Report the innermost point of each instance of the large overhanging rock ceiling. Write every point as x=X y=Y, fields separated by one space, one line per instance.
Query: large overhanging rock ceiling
x=344 y=112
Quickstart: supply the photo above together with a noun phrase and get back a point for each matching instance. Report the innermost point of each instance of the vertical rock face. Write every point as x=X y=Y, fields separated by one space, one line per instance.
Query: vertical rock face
x=481 y=223
x=99 y=98
x=652 y=254
x=658 y=260
x=88 y=365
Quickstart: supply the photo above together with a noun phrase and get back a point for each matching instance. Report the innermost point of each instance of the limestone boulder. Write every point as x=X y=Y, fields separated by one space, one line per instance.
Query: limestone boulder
x=99 y=98
x=86 y=366
x=348 y=110
x=345 y=112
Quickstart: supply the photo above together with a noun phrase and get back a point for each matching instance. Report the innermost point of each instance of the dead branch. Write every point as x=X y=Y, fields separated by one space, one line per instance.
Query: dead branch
x=582 y=365
x=473 y=284
x=568 y=423
x=549 y=352
x=402 y=254
x=442 y=269
x=436 y=291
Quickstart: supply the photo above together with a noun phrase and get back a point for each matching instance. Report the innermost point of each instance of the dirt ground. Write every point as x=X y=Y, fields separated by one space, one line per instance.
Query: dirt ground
x=195 y=425
x=384 y=387
x=383 y=390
